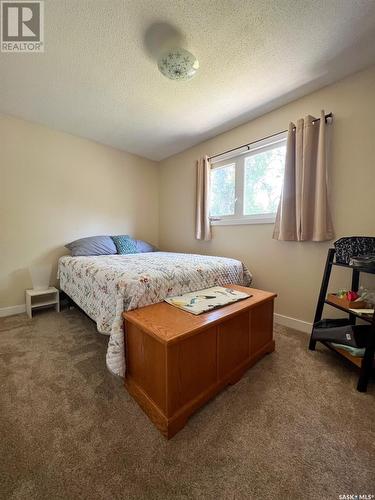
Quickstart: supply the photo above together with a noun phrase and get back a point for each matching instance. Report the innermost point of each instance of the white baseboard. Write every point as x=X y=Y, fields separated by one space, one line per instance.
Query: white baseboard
x=296 y=324
x=10 y=311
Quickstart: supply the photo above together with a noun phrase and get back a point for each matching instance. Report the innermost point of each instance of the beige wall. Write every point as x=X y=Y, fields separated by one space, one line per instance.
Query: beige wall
x=54 y=188
x=293 y=270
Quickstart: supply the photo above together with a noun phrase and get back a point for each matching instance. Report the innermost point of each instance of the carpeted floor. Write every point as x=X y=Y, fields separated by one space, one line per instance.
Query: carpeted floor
x=293 y=428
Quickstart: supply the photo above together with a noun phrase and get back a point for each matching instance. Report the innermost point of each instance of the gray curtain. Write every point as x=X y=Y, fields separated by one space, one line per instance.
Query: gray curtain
x=303 y=213
x=202 y=222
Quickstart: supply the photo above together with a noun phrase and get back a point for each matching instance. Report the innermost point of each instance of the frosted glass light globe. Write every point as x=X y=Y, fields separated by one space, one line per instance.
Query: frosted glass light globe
x=178 y=64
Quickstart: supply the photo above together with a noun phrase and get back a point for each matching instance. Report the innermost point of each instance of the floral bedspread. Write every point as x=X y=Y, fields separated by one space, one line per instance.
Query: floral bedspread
x=104 y=286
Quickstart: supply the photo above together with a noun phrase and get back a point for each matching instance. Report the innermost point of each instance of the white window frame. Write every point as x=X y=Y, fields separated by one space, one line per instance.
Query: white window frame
x=238 y=159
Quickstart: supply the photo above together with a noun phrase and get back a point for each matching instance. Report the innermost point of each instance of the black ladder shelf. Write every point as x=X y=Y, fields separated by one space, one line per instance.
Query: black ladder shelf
x=366 y=363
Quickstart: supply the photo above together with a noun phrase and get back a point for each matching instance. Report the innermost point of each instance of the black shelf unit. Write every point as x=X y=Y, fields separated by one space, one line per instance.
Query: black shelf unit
x=366 y=363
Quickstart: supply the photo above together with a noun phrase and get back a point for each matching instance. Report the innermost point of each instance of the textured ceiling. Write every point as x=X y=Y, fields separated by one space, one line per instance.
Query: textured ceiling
x=98 y=77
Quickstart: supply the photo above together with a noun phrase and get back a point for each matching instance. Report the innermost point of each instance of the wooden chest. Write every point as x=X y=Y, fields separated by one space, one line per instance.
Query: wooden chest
x=176 y=361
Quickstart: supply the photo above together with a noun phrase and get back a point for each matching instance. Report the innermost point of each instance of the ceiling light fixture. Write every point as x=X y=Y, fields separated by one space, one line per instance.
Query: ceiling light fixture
x=178 y=64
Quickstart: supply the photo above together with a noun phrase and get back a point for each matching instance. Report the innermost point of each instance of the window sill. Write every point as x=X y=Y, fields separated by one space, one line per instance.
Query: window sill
x=261 y=219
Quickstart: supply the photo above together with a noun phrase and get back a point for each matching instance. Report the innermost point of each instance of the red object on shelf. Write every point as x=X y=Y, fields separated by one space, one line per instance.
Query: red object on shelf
x=344 y=302
x=352 y=296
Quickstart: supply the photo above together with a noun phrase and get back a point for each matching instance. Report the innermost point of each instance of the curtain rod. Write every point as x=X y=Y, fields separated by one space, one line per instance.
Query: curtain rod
x=328 y=115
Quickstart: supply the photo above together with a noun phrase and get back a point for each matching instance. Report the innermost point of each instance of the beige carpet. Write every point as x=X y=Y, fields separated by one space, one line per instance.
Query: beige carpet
x=293 y=428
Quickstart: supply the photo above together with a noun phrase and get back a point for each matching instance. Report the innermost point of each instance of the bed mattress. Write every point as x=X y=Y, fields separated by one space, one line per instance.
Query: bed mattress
x=104 y=286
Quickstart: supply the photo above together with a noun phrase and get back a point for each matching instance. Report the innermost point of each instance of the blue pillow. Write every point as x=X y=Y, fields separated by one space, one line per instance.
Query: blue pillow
x=143 y=246
x=93 y=245
x=125 y=244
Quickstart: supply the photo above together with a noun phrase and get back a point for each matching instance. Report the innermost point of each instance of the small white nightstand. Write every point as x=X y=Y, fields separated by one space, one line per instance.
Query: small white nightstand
x=42 y=298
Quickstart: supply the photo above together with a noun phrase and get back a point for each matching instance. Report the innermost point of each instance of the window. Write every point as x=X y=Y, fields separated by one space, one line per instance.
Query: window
x=223 y=196
x=246 y=188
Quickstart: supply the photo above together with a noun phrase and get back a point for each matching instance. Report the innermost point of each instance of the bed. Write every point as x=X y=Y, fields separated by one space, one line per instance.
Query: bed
x=105 y=286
